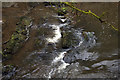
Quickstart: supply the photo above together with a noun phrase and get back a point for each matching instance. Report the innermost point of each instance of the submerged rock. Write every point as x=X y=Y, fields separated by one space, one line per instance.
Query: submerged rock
x=8 y=71
x=75 y=55
x=78 y=42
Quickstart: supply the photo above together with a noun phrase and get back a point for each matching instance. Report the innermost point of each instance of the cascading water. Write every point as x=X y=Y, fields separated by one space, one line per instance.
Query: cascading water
x=60 y=58
x=55 y=39
x=57 y=60
x=57 y=33
x=66 y=61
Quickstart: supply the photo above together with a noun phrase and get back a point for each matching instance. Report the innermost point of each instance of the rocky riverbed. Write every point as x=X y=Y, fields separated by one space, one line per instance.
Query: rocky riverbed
x=44 y=41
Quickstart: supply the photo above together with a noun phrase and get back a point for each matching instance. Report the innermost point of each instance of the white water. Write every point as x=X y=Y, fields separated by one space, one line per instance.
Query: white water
x=61 y=67
x=28 y=31
x=51 y=73
x=59 y=57
x=0 y=21
x=57 y=33
x=63 y=20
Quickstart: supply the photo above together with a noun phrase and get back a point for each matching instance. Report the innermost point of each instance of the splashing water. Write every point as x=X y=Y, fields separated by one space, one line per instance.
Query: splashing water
x=61 y=67
x=57 y=33
x=59 y=57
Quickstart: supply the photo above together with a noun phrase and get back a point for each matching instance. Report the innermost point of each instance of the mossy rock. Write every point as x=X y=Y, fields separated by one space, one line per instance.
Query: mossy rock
x=61 y=12
x=25 y=21
x=39 y=43
x=69 y=40
x=18 y=37
x=14 y=41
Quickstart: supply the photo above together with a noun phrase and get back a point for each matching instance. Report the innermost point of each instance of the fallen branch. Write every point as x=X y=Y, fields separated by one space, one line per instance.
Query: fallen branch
x=93 y=14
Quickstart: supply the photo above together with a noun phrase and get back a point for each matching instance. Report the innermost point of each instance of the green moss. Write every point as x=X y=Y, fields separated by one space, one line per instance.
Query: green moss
x=62 y=11
x=91 y=13
x=68 y=40
x=85 y=36
x=25 y=21
x=18 y=37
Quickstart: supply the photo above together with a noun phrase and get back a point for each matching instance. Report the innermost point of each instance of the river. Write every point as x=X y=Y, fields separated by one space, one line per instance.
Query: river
x=60 y=47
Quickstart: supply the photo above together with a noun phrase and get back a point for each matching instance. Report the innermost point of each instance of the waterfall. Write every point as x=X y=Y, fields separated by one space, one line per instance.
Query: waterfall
x=62 y=66
x=57 y=33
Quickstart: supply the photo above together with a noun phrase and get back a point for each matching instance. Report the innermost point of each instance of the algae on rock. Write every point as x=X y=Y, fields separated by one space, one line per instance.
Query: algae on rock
x=69 y=40
x=18 y=37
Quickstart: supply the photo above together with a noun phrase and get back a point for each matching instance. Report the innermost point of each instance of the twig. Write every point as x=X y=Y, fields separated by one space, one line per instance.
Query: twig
x=93 y=14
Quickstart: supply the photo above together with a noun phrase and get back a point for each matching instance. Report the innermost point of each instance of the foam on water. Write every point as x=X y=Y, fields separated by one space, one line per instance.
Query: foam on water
x=63 y=20
x=59 y=57
x=62 y=66
x=28 y=31
x=51 y=73
x=0 y=21
x=57 y=33
x=58 y=64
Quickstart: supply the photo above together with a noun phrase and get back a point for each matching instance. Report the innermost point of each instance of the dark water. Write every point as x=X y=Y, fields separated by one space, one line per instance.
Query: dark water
x=94 y=54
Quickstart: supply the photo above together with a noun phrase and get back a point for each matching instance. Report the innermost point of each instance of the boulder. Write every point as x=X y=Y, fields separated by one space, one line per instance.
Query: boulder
x=69 y=40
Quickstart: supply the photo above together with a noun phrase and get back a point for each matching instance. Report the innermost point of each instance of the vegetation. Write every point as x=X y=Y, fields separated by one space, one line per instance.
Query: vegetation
x=17 y=38
x=63 y=11
x=68 y=41
x=91 y=13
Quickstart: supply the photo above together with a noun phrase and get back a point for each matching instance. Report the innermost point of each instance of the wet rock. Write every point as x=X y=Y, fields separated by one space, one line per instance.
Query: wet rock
x=112 y=65
x=86 y=68
x=25 y=21
x=70 y=57
x=76 y=55
x=79 y=42
x=8 y=71
x=75 y=38
x=90 y=38
x=18 y=37
x=69 y=40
